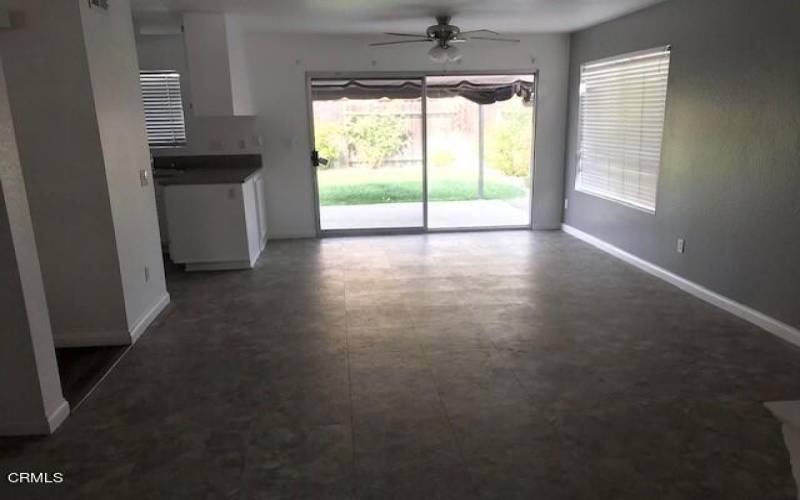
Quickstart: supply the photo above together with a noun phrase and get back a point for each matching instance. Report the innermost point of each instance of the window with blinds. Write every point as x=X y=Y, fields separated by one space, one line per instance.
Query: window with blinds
x=622 y=106
x=163 y=108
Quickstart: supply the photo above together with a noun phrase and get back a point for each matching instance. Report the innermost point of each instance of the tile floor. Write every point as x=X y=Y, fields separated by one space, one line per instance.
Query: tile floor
x=483 y=365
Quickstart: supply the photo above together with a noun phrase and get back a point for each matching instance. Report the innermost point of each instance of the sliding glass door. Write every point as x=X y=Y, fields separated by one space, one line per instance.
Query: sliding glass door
x=480 y=140
x=368 y=138
x=370 y=134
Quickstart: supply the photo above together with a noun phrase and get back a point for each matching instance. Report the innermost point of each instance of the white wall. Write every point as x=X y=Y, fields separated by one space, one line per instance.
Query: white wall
x=205 y=135
x=81 y=149
x=114 y=72
x=207 y=59
x=62 y=161
x=278 y=65
x=31 y=401
x=241 y=92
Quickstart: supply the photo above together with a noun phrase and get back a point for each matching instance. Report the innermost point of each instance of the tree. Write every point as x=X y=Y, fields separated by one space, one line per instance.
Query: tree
x=374 y=138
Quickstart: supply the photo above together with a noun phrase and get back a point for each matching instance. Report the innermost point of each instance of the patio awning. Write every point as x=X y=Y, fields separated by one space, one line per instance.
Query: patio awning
x=481 y=89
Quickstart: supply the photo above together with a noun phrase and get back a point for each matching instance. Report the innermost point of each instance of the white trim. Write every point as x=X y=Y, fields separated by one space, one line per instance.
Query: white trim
x=770 y=324
x=227 y=265
x=38 y=427
x=145 y=321
x=55 y=419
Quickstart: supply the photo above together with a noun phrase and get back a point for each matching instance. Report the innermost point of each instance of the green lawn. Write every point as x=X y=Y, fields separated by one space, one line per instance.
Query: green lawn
x=397 y=185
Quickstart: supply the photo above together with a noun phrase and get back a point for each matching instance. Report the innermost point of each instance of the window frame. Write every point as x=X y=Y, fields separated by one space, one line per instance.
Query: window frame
x=621 y=199
x=184 y=127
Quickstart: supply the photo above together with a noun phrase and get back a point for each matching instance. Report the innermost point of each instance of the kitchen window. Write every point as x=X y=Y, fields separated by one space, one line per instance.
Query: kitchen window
x=621 y=116
x=163 y=108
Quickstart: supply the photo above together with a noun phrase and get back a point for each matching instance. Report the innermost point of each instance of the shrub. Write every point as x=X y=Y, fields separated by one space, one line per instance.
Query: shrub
x=374 y=138
x=508 y=143
x=443 y=158
x=330 y=142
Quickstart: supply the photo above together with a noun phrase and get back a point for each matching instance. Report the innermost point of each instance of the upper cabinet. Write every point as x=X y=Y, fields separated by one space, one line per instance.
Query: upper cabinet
x=218 y=70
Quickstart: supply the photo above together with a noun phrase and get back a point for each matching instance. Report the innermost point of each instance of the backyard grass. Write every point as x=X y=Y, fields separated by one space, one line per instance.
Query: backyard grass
x=397 y=185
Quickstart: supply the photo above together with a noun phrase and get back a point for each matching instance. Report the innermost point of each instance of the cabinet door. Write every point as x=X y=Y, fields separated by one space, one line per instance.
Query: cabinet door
x=261 y=209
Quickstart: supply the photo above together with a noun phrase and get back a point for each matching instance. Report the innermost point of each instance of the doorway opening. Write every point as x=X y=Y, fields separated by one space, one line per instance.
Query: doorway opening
x=422 y=153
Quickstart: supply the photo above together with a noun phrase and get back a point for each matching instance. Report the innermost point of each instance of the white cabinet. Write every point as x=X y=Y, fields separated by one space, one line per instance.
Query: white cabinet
x=216 y=226
x=258 y=183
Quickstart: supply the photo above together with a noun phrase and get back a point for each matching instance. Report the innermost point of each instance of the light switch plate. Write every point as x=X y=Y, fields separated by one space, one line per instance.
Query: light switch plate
x=681 y=245
x=144 y=177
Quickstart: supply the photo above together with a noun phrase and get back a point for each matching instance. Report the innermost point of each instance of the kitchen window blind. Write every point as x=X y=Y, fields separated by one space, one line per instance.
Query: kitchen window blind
x=163 y=108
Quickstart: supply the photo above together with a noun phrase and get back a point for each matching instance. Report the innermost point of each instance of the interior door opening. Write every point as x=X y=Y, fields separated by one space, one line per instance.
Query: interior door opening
x=424 y=153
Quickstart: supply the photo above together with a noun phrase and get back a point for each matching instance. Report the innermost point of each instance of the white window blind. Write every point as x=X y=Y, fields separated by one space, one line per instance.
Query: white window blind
x=163 y=108
x=622 y=105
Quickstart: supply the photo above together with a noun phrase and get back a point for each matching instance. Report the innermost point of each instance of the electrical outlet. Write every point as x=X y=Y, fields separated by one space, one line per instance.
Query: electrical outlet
x=681 y=245
x=242 y=144
x=146 y=274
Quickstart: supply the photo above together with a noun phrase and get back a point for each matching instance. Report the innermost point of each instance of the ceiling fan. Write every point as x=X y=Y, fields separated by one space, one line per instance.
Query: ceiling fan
x=444 y=35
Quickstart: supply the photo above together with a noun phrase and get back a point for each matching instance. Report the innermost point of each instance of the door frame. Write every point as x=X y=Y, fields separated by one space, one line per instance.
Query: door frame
x=321 y=75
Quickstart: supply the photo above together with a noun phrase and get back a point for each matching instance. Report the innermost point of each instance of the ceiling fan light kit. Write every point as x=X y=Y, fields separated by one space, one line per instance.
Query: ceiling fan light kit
x=444 y=35
x=439 y=54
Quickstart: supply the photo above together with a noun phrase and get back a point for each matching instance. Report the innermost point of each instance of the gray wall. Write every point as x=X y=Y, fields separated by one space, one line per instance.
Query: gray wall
x=730 y=172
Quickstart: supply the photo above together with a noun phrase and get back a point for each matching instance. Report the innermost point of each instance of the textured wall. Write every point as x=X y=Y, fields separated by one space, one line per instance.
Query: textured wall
x=730 y=173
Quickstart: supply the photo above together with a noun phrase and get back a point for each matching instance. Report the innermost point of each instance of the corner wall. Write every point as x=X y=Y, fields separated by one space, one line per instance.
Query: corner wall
x=114 y=74
x=730 y=174
x=62 y=162
x=31 y=401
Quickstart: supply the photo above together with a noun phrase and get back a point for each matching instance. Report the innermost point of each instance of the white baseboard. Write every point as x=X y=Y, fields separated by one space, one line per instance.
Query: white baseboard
x=39 y=427
x=55 y=419
x=231 y=265
x=111 y=337
x=141 y=325
x=770 y=324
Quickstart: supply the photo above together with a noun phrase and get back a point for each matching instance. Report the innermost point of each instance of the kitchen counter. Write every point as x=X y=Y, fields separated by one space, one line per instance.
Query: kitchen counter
x=207 y=175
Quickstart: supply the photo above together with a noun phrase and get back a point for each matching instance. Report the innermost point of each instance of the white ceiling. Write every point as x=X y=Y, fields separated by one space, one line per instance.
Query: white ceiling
x=375 y=16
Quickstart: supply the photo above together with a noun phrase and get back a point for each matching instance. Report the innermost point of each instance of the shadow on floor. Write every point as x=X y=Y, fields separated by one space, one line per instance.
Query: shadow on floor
x=82 y=368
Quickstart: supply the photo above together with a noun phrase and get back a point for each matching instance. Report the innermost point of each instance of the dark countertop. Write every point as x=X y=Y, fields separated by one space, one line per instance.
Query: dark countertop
x=206 y=175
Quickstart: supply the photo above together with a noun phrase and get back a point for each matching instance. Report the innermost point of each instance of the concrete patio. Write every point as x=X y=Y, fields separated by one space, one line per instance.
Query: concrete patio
x=441 y=214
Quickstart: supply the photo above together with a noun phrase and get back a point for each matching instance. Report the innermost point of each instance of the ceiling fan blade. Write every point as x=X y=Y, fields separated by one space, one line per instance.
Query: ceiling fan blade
x=509 y=40
x=381 y=44
x=407 y=34
x=479 y=31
